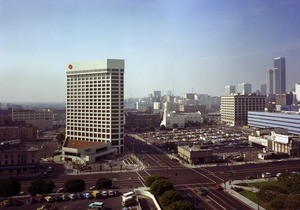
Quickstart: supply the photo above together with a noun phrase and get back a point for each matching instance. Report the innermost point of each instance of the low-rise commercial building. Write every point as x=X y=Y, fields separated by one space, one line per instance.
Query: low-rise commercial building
x=194 y=154
x=43 y=119
x=181 y=119
x=141 y=120
x=24 y=133
x=18 y=159
x=277 y=141
x=86 y=151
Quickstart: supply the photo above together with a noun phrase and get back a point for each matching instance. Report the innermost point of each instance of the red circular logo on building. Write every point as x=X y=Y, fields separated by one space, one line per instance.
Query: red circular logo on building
x=70 y=67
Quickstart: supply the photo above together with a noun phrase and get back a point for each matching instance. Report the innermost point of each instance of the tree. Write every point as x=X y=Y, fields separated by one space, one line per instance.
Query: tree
x=74 y=185
x=182 y=205
x=170 y=197
x=60 y=138
x=103 y=183
x=41 y=187
x=160 y=186
x=9 y=187
x=150 y=179
x=162 y=127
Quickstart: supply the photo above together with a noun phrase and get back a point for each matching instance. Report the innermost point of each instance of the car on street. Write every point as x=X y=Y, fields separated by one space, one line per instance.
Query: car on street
x=266 y=175
x=202 y=192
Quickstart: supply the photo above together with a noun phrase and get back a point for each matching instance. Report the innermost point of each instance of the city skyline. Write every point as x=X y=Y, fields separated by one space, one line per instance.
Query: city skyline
x=198 y=46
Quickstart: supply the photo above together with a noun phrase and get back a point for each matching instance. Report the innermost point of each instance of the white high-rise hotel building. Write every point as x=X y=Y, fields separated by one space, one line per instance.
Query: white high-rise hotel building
x=95 y=102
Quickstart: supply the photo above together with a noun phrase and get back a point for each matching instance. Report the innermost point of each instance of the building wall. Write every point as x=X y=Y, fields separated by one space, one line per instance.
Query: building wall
x=270 y=82
x=95 y=102
x=286 y=120
x=43 y=119
x=141 y=120
x=297 y=89
x=14 y=162
x=27 y=133
x=279 y=63
x=234 y=108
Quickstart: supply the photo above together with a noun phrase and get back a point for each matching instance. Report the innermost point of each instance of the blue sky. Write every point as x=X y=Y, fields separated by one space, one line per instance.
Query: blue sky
x=199 y=44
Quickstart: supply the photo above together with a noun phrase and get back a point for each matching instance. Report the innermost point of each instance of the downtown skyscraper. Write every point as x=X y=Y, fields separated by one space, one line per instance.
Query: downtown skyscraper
x=95 y=102
x=279 y=66
x=276 y=78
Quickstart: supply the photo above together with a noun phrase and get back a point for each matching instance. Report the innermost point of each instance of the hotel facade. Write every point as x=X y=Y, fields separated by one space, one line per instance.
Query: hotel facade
x=95 y=102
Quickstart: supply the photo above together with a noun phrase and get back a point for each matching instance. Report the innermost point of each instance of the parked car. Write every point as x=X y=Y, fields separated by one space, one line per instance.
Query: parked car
x=48 y=198
x=111 y=193
x=104 y=194
x=63 y=197
x=6 y=203
x=87 y=195
x=73 y=196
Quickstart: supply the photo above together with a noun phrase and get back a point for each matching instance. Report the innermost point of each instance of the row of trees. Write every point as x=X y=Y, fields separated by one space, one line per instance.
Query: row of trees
x=11 y=187
x=167 y=196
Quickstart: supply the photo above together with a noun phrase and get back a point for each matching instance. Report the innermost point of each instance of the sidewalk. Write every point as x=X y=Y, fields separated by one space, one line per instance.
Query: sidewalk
x=228 y=188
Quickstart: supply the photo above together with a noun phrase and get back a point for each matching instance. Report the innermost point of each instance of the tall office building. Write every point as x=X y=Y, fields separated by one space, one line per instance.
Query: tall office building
x=95 y=102
x=270 y=82
x=229 y=90
x=234 y=108
x=279 y=63
x=297 y=90
x=263 y=89
x=244 y=88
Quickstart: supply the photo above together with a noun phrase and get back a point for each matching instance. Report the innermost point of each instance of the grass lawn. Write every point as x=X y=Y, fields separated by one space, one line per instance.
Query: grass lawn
x=262 y=184
x=252 y=196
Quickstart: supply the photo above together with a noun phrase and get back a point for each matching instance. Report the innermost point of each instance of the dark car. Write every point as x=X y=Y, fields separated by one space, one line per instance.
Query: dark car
x=202 y=192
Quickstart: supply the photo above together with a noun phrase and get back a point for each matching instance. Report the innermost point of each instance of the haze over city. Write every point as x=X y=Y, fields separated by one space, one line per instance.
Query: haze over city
x=198 y=46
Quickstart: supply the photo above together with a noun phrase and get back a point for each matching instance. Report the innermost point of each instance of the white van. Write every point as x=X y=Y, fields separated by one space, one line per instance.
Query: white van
x=98 y=205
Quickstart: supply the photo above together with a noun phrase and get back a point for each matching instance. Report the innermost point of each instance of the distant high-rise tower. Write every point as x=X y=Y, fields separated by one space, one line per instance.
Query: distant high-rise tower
x=157 y=96
x=279 y=63
x=269 y=81
x=229 y=90
x=95 y=102
x=297 y=90
x=263 y=89
x=244 y=88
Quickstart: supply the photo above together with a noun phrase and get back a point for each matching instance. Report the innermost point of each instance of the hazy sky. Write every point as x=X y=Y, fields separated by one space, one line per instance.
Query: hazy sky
x=199 y=44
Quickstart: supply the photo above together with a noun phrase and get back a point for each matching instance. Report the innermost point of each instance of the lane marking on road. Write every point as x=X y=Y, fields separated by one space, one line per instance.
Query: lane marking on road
x=216 y=202
x=139 y=175
x=154 y=160
x=203 y=175
x=141 y=179
x=147 y=173
x=205 y=200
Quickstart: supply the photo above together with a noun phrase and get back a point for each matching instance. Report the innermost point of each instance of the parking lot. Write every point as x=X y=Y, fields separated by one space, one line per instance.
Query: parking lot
x=224 y=141
x=109 y=203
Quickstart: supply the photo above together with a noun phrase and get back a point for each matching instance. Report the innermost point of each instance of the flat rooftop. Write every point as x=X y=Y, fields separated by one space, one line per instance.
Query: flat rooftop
x=78 y=144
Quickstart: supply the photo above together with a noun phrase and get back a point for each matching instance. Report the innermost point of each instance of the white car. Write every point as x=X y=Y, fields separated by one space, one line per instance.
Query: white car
x=104 y=194
x=266 y=175
x=73 y=196
x=87 y=195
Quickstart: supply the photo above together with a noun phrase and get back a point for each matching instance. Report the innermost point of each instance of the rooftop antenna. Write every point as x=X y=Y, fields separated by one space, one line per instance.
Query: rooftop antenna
x=173 y=91
x=192 y=89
